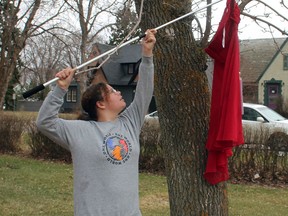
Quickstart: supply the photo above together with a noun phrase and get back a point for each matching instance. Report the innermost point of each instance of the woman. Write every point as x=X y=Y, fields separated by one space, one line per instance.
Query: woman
x=105 y=149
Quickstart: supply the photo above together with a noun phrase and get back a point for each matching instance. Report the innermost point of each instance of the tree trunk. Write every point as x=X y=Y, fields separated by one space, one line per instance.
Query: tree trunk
x=6 y=74
x=183 y=100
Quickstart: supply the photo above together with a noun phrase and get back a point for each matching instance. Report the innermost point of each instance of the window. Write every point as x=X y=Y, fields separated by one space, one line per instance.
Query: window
x=285 y=61
x=129 y=68
x=71 y=95
x=250 y=114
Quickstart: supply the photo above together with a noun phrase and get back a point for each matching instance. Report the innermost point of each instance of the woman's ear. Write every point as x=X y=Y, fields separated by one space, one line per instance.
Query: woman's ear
x=100 y=104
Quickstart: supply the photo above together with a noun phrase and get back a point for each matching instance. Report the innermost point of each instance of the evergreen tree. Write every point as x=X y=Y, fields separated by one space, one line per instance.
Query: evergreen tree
x=8 y=100
x=125 y=22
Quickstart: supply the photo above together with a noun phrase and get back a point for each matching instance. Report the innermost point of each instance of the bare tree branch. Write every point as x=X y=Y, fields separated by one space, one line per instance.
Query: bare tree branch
x=272 y=9
x=40 y=26
x=28 y=25
x=284 y=4
x=207 y=32
x=262 y=18
x=257 y=20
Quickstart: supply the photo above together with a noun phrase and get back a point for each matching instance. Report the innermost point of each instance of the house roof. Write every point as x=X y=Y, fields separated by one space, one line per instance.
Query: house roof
x=256 y=55
x=112 y=69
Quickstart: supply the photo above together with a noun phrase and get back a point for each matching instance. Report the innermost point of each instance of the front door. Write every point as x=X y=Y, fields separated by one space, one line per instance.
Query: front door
x=274 y=93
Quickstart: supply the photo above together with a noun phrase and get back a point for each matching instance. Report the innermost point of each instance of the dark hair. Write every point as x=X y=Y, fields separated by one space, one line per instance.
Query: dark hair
x=94 y=93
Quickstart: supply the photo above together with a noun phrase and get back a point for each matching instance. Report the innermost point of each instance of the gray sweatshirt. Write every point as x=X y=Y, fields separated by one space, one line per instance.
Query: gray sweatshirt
x=105 y=154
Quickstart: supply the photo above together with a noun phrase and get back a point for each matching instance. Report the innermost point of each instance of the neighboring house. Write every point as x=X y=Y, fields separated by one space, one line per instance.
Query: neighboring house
x=264 y=70
x=120 y=70
x=72 y=98
x=30 y=106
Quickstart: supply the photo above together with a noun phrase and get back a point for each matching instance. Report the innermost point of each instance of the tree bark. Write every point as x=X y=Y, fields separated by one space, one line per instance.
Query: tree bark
x=183 y=103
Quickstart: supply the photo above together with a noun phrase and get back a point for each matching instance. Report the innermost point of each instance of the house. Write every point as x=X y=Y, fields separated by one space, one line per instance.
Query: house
x=264 y=70
x=72 y=98
x=120 y=70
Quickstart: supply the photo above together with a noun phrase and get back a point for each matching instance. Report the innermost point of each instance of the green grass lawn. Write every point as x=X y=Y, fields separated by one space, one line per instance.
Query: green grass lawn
x=31 y=187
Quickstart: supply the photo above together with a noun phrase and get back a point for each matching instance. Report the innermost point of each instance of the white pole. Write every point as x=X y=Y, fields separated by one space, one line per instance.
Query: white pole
x=42 y=86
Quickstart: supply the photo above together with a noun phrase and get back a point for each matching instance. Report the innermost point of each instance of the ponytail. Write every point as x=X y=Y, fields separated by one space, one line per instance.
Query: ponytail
x=93 y=93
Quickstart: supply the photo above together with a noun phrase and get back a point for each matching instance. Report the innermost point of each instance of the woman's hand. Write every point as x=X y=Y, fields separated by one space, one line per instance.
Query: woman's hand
x=65 y=77
x=148 y=42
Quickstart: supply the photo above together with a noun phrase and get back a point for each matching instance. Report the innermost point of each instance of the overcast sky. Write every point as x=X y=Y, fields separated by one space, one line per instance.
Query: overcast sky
x=248 y=29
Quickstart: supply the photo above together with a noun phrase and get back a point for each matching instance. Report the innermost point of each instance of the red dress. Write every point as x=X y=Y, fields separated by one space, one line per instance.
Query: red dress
x=225 y=127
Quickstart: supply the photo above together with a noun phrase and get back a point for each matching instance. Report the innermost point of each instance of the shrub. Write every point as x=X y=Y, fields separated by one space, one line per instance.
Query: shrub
x=263 y=158
x=43 y=147
x=151 y=158
x=16 y=124
x=11 y=128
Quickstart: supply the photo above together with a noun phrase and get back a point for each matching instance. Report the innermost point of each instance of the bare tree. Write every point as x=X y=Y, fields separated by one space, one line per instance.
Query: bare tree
x=89 y=13
x=265 y=18
x=183 y=102
x=20 y=21
x=31 y=18
x=42 y=57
